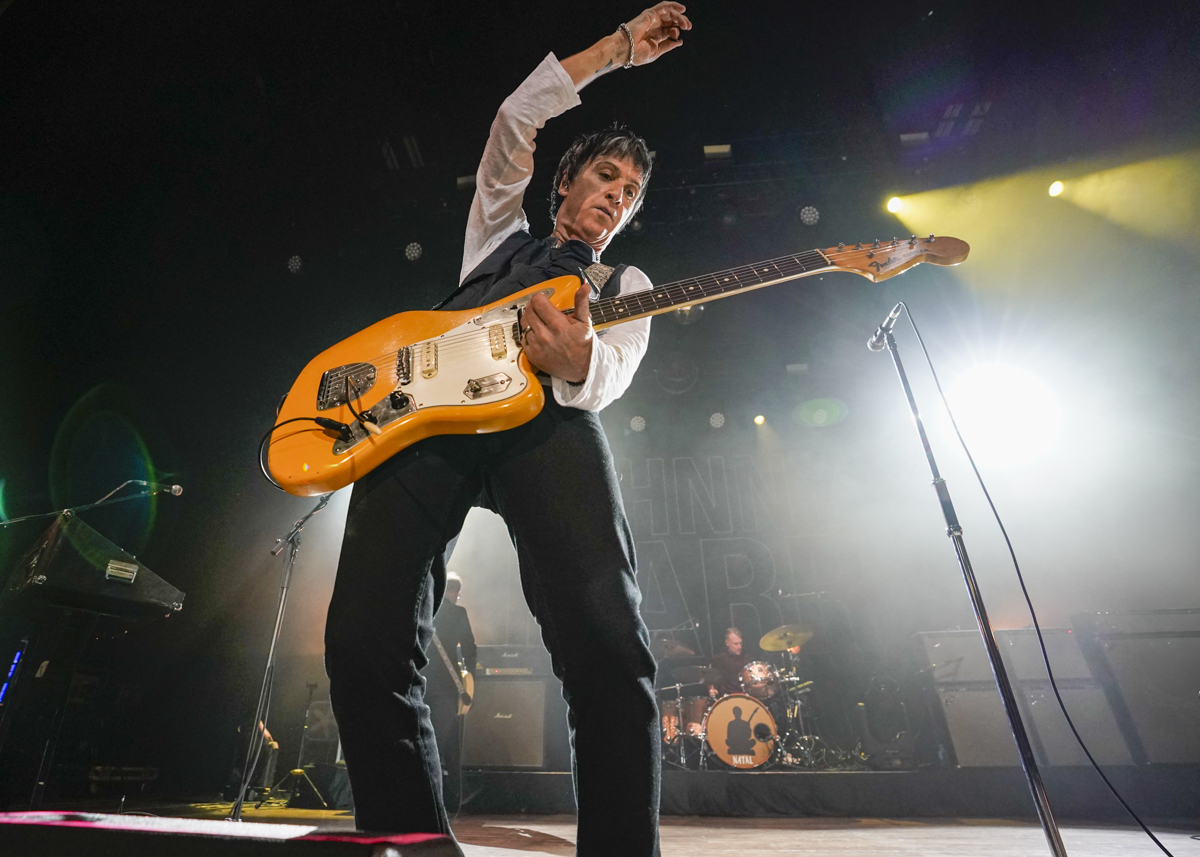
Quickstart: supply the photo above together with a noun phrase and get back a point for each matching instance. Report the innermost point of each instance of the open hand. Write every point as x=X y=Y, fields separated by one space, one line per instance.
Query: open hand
x=657 y=30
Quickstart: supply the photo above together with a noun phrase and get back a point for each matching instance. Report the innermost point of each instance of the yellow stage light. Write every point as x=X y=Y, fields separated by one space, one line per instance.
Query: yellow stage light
x=759 y=420
x=1056 y=188
x=895 y=204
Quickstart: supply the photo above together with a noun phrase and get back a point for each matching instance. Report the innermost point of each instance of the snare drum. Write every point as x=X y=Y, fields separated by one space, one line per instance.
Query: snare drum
x=760 y=680
x=740 y=731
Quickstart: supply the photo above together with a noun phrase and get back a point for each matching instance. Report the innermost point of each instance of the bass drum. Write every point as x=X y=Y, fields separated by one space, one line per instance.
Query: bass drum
x=740 y=731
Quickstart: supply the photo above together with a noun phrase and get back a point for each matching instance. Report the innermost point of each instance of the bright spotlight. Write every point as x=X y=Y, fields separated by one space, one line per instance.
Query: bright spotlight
x=759 y=420
x=1007 y=416
x=413 y=251
x=638 y=423
x=809 y=215
x=1056 y=188
x=716 y=421
x=895 y=204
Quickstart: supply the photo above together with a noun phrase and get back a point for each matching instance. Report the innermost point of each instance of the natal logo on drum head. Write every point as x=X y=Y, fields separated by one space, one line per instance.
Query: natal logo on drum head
x=740 y=731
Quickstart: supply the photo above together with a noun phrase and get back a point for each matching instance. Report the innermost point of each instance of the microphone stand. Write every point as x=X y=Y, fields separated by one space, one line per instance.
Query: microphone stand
x=254 y=747
x=954 y=531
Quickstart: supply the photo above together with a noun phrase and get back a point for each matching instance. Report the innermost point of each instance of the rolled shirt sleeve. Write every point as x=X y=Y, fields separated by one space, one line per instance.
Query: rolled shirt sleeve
x=507 y=162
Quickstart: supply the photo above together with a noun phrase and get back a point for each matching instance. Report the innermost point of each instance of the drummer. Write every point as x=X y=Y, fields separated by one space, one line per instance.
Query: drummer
x=730 y=663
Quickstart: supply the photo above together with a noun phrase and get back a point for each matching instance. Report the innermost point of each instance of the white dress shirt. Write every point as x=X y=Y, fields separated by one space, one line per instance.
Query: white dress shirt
x=496 y=213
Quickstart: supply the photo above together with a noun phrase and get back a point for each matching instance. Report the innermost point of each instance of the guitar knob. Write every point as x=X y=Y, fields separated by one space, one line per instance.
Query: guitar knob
x=399 y=401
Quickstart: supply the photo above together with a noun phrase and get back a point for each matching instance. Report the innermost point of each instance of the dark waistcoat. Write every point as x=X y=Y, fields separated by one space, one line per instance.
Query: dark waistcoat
x=522 y=261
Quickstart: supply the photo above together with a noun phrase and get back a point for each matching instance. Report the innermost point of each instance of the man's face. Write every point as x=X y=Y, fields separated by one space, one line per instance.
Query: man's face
x=453 y=593
x=598 y=201
x=734 y=643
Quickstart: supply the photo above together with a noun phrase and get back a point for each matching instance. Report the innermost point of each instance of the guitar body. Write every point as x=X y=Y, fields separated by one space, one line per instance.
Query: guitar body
x=468 y=683
x=416 y=375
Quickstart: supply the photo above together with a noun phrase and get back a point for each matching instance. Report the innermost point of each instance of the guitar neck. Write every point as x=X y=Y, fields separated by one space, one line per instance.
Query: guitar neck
x=610 y=311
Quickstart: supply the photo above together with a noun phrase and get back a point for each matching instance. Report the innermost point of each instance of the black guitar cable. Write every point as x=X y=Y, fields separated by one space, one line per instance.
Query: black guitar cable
x=342 y=429
x=1025 y=592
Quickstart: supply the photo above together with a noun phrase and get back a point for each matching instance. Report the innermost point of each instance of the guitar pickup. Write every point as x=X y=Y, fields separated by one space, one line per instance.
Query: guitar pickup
x=477 y=388
x=497 y=342
x=427 y=356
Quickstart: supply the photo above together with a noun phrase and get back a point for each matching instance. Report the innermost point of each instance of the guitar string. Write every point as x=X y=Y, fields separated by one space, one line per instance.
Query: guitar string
x=676 y=289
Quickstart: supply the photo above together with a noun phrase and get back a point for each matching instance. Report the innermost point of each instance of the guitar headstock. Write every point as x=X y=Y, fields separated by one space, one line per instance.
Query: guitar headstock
x=878 y=260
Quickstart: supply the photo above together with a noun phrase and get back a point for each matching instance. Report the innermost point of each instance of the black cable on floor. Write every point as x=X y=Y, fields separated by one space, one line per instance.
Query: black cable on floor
x=1025 y=592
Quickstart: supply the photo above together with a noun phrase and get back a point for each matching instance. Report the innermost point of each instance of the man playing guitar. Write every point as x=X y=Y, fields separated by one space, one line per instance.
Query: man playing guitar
x=552 y=479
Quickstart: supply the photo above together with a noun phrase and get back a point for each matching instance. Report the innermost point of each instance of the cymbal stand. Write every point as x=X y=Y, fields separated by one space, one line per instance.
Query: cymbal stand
x=292 y=542
x=954 y=531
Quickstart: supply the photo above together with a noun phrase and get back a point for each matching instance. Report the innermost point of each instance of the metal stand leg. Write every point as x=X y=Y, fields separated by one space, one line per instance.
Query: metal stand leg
x=954 y=531
x=292 y=542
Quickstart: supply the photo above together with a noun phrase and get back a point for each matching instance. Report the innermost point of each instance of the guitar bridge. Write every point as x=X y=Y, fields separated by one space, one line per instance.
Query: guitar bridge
x=331 y=392
x=404 y=366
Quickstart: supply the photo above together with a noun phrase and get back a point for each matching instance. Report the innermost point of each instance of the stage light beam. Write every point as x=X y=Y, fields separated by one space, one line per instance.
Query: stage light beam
x=1007 y=416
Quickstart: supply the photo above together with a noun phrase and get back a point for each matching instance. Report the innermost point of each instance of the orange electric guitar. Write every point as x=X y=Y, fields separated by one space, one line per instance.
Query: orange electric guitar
x=419 y=374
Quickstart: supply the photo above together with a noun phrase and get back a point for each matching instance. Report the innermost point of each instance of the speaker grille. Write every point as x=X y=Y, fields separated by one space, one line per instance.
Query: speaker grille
x=505 y=727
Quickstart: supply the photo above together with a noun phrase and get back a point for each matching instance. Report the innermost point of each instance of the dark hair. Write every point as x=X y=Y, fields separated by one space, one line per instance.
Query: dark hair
x=617 y=141
x=453 y=581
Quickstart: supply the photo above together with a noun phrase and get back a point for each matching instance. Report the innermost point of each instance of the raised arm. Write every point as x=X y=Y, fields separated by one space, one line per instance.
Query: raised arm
x=643 y=40
x=552 y=88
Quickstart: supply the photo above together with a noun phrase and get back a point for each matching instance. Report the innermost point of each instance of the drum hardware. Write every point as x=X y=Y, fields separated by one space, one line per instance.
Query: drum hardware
x=682 y=718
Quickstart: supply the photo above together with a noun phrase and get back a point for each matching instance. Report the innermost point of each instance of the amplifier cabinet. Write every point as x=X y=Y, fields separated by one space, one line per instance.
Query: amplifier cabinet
x=1148 y=662
x=517 y=723
x=973 y=715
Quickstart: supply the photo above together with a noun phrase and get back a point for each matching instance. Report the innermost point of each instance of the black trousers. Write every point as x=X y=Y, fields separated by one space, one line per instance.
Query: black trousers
x=554 y=483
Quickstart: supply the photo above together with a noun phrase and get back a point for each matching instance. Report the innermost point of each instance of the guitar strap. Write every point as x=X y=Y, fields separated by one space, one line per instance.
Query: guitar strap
x=449 y=664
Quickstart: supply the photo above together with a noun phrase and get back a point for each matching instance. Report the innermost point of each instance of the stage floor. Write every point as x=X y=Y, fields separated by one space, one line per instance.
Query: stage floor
x=691 y=836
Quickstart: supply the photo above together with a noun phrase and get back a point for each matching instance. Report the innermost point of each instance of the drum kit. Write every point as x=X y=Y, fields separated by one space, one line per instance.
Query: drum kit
x=769 y=723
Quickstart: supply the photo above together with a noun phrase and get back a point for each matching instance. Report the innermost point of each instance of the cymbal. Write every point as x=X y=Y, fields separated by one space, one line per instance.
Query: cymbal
x=783 y=638
x=696 y=674
x=669 y=649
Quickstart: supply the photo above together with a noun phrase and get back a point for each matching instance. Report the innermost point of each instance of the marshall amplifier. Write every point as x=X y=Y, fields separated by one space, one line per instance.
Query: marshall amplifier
x=513 y=661
x=517 y=723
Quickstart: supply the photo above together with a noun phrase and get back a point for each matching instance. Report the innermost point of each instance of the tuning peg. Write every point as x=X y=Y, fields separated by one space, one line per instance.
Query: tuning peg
x=931 y=238
x=858 y=246
x=841 y=245
x=876 y=244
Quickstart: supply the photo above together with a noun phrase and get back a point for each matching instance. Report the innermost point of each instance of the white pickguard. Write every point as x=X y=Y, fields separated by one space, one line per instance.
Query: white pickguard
x=465 y=354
